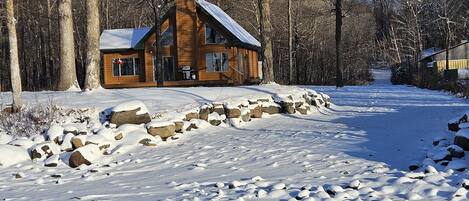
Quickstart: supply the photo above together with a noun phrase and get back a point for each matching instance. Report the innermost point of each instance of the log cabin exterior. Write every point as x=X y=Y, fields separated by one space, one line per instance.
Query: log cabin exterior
x=201 y=45
x=434 y=60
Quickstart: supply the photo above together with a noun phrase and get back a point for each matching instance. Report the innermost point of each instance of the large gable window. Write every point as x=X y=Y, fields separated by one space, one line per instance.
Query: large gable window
x=126 y=67
x=212 y=36
x=166 y=37
x=216 y=62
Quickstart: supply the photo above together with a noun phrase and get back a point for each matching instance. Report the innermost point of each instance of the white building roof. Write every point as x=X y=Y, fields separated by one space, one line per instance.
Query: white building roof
x=229 y=23
x=122 y=38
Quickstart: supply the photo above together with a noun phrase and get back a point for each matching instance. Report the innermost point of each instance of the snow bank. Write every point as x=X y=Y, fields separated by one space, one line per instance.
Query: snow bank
x=11 y=155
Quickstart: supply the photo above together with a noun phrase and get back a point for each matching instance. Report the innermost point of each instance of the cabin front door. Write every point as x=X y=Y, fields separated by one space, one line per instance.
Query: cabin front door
x=168 y=67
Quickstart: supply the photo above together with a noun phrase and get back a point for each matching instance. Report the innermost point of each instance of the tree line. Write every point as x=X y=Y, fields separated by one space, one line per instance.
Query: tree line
x=407 y=28
x=312 y=42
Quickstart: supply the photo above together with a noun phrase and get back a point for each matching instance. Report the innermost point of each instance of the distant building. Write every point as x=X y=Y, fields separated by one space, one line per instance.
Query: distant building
x=201 y=45
x=435 y=59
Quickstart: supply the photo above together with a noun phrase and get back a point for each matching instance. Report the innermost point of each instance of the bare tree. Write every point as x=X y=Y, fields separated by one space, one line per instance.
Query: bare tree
x=158 y=7
x=266 y=38
x=448 y=11
x=68 y=76
x=338 y=42
x=290 y=40
x=93 y=56
x=14 y=61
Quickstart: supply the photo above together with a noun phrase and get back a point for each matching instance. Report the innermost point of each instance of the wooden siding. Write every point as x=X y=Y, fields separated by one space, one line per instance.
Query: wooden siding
x=109 y=77
x=186 y=26
x=453 y=64
x=150 y=52
x=238 y=76
x=189 y=50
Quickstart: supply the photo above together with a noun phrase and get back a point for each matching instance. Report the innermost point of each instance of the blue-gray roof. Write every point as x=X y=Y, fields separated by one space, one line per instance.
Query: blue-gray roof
x=115 y=39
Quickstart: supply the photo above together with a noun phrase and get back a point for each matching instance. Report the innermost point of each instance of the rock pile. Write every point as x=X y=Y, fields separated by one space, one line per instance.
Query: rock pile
x=129 y=124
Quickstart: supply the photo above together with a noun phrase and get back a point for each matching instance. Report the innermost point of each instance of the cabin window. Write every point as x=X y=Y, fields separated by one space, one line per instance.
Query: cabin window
x=212 y=36
x=166 y=38
x=216 y=62
x=126 y=67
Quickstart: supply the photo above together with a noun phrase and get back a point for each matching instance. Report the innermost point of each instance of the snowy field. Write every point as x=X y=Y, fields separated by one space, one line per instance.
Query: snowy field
x=371 y=135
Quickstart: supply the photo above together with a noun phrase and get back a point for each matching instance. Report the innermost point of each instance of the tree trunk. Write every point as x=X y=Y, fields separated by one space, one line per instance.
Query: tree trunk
x=290 y=41
x=158 y=49
x=14 y=61
x=93 y=57
x=266 y=32
x=68 y=75
x=338 y=43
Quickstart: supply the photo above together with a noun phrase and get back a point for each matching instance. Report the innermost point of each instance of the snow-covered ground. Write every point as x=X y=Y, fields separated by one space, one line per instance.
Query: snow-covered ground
x=372 y=135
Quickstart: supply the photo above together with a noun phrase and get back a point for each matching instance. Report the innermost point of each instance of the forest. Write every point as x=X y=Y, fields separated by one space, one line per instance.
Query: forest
x=374 y=33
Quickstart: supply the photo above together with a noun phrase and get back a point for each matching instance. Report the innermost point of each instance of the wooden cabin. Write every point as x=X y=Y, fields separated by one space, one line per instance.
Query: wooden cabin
x=201 y=45
x=435 y=60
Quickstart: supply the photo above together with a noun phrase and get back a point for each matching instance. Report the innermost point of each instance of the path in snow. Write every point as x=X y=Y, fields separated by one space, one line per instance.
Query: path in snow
x=370 y=128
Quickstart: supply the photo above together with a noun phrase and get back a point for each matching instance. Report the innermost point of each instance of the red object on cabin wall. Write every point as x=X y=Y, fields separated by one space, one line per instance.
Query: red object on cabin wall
x=118 y=61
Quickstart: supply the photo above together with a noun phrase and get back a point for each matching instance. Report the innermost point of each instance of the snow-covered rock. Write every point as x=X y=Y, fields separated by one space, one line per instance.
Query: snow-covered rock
x=232 y=111
x=163 y=129
x=78 y=141
x=271 y=108
x=456 y=151
x=44 y=150
x=67 y=142
x=204 y=111
x=52 y=161
x=462 y=139
x=256 y=111
x=133 y=112
x=459 y=165
x=11 y=155
x=86 y=155
x=55 y=133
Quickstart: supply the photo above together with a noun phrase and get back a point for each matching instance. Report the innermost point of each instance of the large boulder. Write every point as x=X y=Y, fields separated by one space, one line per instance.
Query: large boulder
x=133 y=112
x=455 y=124
x=303 y=109
x=218 y=108
x=164 y=129
x=192 y=115
x=456 y=151
x=462 y=139
x=232 y=111
x=204 y=112
x=288 y=107
x=270 y=108
x=216 y=119
x=55 y=133
x=85 y=155
x=67 y=142
x=52 y=161
x=78 y=141
x=256 y=111
x=179 y=125
x=44 y=150
x=245 y=114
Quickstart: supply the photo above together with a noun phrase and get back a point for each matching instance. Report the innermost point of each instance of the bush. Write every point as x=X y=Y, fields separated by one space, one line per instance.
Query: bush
x=400 y=75
x=31 y=121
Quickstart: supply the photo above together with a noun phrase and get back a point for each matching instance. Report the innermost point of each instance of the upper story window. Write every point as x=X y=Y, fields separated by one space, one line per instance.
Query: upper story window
x=126 y=67
x=212 y=36
x=167 y=37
